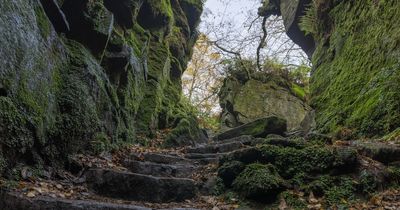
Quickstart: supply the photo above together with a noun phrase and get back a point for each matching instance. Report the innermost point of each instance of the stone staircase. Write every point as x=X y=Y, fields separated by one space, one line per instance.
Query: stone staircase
x=171 y=179
x=152 y=177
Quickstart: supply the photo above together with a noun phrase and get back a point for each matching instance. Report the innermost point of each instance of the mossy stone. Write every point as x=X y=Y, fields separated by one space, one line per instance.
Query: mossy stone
x=259 y=182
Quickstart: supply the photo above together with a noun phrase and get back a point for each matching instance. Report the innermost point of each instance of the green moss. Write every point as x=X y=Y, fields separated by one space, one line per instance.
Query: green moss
x=186 y=132
x=337 y=190
x=137 y=38
x=100 y=143
x=43 y=22
x=163 y=7
x=341 y=193
x=291 y=161
x=3 y=164
x=368 y=182
x=162 y=10
x=294 y=201
x=219 y=187
x=78 y=119
x=298 y=91
x=100 y=17
x=149 y=107
x=355 y=81
x=9 y=184
x=393 y=136
x=14 y=133
x=394 y=174
x=259 y=181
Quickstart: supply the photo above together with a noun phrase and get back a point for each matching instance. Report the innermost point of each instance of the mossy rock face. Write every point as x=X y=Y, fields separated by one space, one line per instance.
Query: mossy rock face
x=125 y=11
x=186 y=132
x=90 y=23
x=97 y=85
x=355 y=82
x=259 y=182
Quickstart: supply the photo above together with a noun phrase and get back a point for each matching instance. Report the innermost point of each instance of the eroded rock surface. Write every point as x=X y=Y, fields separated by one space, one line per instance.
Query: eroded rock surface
x=244 y=100
x=84 y=75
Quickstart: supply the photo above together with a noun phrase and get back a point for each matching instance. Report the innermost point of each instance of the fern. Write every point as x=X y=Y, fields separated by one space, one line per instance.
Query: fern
x=309 y=22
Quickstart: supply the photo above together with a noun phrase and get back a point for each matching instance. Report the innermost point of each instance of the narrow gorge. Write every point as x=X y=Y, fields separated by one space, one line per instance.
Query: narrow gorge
x=93 y=115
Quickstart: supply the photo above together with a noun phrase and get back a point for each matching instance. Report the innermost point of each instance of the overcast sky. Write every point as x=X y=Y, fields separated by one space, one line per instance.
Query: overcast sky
x=236 y=16
x=229 y=9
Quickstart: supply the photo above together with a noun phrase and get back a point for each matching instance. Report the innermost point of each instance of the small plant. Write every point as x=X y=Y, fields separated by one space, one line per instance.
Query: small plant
x=309 y=22
x=101 y=143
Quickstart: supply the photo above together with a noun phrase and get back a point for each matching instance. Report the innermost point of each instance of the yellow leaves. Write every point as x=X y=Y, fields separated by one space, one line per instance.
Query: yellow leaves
x=215 y=56
x=202 y=78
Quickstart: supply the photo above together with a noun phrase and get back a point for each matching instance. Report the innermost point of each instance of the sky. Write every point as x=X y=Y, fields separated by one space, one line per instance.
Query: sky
x=235 y=16
x=231 y=8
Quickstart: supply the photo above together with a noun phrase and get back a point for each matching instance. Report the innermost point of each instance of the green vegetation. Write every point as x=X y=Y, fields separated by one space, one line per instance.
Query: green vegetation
x=293 y=200
x=15 y=134
x=290 y=161
x=341 y=192
x=43 y=22
x=361 y=93
x=259 y=182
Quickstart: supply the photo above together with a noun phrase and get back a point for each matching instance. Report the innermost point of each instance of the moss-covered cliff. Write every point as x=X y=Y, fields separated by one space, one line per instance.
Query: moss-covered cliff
x=356 y=67
x=87 y=75
x=356 y=79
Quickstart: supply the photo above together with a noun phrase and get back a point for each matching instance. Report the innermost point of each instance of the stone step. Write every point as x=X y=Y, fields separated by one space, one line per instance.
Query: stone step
x=382 y=152
x=14 y=201
x=216 y=148
x=198 y=156
x=245 y=139
x=159 y=169
x=160 y=158
x=258 y=128
x=139 y=187
x=208 y=158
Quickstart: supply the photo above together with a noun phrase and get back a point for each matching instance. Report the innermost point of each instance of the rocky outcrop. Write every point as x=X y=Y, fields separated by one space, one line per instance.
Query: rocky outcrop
x=355 y=82
x=291 y=12
x=84 y=75
x=245 y=100
x=258 y=128
x=355 y=77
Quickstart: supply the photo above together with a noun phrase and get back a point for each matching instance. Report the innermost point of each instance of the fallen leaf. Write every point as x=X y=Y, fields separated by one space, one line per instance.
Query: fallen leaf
x=283 y=205
x=311 y=198
x=31 y=194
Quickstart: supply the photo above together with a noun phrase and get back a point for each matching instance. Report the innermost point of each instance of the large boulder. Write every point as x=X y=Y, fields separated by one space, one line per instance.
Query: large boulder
x=138 y=187
x=245 y=100
x=259 y=182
